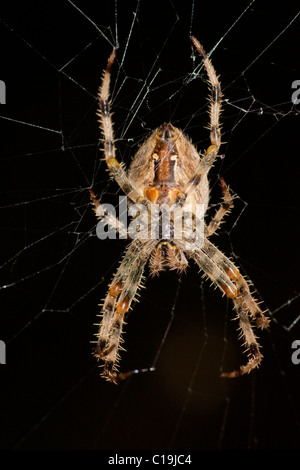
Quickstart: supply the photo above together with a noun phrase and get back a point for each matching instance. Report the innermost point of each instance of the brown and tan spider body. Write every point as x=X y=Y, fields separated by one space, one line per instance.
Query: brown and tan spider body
x=168 y=171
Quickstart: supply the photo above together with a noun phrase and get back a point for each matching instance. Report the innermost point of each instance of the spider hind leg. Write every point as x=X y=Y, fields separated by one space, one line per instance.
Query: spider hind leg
x=252 y=347
x=121 y=294
x=228 y=278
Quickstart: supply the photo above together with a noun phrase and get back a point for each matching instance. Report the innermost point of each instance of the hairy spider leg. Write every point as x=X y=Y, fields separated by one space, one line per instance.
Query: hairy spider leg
x=227 y=277
x=215 y=109
x=116 y=169
x=225 y=207
x=122 y=292
x=251 y=305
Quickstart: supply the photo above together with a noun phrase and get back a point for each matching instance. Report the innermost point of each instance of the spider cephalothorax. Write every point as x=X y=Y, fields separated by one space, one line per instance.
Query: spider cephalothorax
x=167 y=176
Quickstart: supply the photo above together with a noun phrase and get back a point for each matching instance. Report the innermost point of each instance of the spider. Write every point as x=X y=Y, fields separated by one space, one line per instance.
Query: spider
x=168 y=170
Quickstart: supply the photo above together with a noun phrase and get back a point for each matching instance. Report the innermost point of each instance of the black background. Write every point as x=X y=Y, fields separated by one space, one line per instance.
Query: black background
x=54 y=271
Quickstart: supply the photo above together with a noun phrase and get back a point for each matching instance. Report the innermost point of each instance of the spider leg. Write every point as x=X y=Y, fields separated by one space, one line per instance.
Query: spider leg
x=222 y=211
x=244 y=304
x=214 y=272
x=214 y=110
x=115 y=168
x=106 y=217
x=252 y=347
x=208 y=159
x=122 y=292
x=226 y=265
x=215 y=100
x=227 y=277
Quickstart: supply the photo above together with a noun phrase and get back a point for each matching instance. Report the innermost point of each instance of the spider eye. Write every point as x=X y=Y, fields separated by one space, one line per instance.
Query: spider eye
x=167 y=132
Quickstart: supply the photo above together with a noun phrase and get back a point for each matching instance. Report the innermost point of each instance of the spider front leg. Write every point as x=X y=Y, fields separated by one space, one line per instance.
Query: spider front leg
x=115 y=168
x=121 y=293
x=207 y=160
x=215 y=107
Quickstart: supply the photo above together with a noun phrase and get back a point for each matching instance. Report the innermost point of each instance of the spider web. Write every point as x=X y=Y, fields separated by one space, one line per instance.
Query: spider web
x=55 y=271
